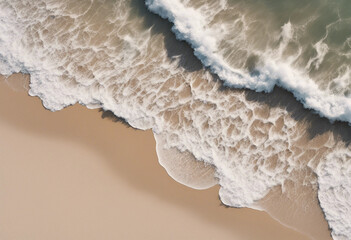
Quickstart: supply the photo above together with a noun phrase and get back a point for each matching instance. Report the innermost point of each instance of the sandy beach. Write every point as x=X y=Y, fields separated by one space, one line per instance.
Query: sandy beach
x=73 y=175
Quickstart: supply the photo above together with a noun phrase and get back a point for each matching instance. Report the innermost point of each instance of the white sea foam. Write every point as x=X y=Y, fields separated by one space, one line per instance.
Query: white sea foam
x=335 y=192
x=192 y=26
x=107 y=58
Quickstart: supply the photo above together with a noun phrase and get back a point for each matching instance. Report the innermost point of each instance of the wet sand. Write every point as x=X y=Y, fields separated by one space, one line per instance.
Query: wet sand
x=73 y=175
x=297 y=207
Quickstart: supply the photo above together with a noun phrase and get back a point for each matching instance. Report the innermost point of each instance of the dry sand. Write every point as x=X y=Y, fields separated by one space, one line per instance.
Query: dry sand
x=73 y=175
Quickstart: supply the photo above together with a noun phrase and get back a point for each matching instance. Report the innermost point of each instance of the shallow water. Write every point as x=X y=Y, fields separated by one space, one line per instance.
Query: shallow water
x=119 y=56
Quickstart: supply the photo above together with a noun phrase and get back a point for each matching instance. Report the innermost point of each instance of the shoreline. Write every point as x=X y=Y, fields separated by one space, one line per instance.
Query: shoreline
x=112 y=162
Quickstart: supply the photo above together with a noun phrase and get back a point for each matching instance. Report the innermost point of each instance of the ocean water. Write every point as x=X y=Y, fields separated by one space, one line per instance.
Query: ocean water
x=260 y=90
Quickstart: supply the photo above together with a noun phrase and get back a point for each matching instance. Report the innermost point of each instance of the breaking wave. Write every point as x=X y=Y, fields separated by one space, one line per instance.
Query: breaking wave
x=205 y=31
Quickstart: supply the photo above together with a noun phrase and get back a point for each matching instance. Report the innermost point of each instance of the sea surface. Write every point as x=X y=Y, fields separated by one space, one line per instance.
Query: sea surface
x=260 y=90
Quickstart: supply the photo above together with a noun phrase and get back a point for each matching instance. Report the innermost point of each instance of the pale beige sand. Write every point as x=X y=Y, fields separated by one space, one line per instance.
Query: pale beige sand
x=72 y=175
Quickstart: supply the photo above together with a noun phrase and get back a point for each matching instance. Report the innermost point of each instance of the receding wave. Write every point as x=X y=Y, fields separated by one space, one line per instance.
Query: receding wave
x=118 y=56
